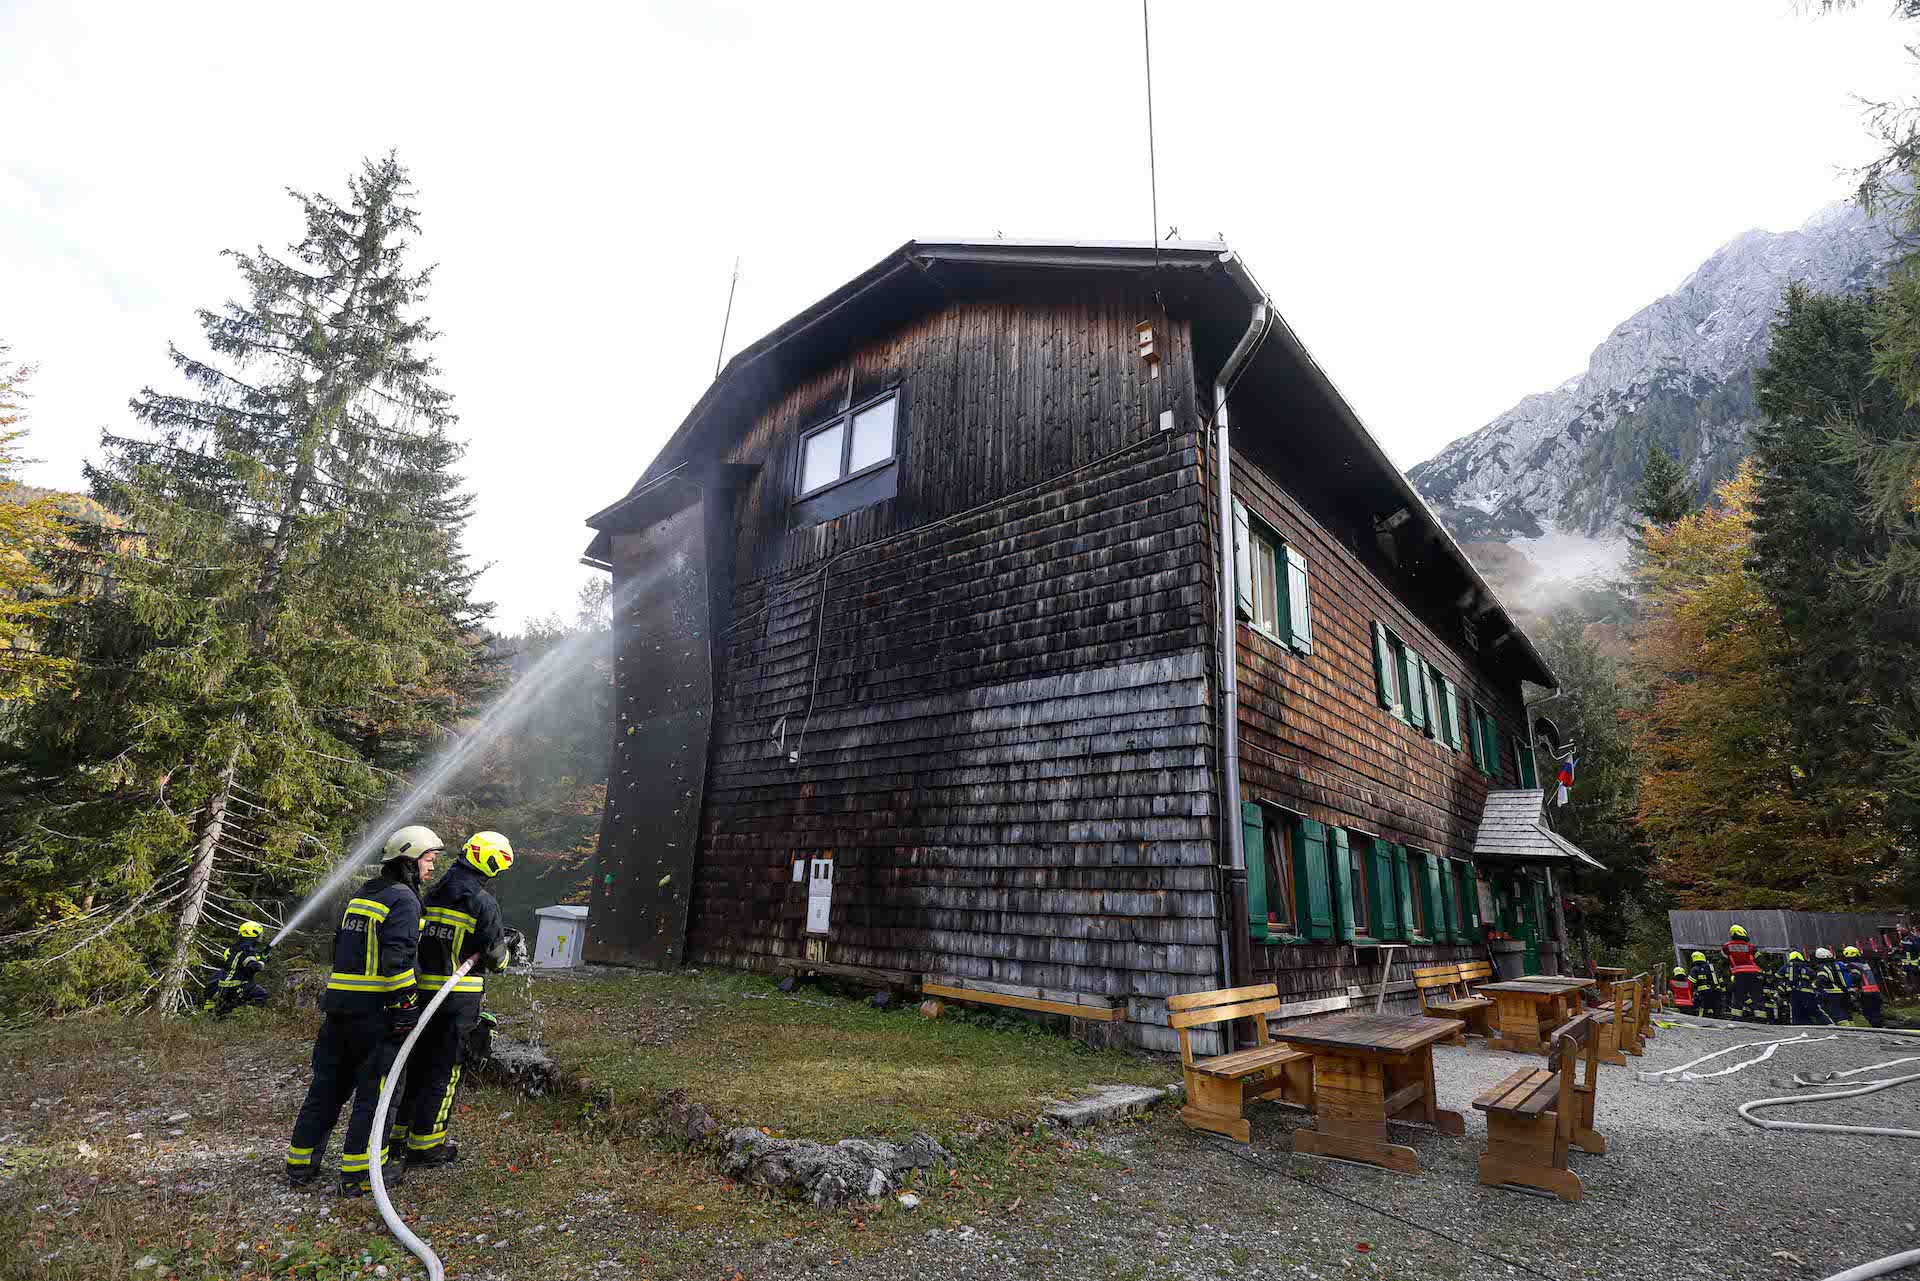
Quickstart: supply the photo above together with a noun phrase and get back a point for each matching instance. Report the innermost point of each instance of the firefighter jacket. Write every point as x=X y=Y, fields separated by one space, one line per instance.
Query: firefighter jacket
x=1682 y=992
x=1827 y=976
x=240 y=965
x=373 y=950
x=1863 y=979
x=1910 y=947
x=1740 y=956
x=1796 y=975
x=462 y=919
x=1704 y=979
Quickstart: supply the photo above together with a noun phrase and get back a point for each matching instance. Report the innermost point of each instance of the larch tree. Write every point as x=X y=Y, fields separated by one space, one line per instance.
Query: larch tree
x=285 y=604
x=1725 y=802
x=31 y=527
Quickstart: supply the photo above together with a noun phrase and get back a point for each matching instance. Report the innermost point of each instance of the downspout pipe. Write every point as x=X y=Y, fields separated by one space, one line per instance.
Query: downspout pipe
x=1236 y=937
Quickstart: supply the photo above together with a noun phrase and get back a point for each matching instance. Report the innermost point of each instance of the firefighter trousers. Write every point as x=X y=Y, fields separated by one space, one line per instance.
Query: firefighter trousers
x=1870 y=1005
x=1749 y=1001
x=350 y=1060
x=1808 y=1010
x=433 y=1073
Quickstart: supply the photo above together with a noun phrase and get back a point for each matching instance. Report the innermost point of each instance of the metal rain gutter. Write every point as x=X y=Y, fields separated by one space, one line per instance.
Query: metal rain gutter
x=1233 y=944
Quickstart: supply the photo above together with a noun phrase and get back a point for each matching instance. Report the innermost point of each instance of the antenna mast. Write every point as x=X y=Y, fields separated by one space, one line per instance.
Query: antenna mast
x=1153 y=176
x=724 y=324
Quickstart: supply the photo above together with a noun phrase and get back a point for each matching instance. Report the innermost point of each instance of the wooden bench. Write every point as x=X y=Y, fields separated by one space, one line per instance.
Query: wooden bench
x=1444 y=993
x=1472 y=975
x=1618 y=1021
x=1219 y=1088
x=1536 y=1114
x=1645 y=980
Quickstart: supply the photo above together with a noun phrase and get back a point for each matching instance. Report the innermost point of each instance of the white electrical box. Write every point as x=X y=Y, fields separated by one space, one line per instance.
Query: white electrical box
x=819 y=895
x=563 y=937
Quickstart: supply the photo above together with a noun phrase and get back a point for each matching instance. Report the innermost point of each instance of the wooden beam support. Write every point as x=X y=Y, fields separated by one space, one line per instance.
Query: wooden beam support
x=1100 y=1013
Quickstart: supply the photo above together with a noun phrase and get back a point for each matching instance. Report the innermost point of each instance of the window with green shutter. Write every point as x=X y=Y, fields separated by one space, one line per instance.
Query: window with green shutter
x=1386 y=671
x=1311 y=872
x=1490 y=744
x=1523 y=752
x=1340 y=855
x=1471 y=713
x=1253 y=834
x=1449 y=900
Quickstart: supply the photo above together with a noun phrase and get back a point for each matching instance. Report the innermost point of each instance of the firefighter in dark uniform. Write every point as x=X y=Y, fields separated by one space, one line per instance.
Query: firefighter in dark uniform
x=1706 y=985
x=1865 y=984
x=1682 y=991
x=237 y=982
x=1797 y=977
x=1748 y=1000
x=370 y=1007
x=1909 y=959
x=1831 y=982
x=462 y=920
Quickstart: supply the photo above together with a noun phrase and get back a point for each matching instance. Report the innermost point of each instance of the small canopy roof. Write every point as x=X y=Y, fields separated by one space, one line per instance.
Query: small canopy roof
x=1514 y=827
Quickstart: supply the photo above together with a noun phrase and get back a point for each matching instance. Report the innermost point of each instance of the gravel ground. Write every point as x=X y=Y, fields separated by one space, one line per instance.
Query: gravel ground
x=1686 y=1190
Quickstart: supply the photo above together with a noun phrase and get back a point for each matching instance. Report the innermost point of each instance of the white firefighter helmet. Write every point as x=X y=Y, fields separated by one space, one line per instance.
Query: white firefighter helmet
x=411 y=842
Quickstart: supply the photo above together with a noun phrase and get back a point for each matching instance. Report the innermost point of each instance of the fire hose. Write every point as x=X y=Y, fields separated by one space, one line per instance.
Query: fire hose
x=376 y=1174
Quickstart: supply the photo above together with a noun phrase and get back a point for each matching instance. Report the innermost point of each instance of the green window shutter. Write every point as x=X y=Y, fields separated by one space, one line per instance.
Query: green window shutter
x=1379 y=862
x=1310 y=874
x=1436 y=710
x=1471 y=714
x=1430 y=897
x=1403 y=893
x=1340 y=856
x=1299 y=619
x=1469 y=901
x=1524 y=753
x=1415 y=689
x=1450 y=706
x=1449 y=899
x=1386 y=677
x=1253 y=831
x=1242 y=561
x=1491 y=745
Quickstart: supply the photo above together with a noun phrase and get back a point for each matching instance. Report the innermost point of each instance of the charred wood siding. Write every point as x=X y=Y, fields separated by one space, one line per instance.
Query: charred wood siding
x=995 y=397
x=1005 y=740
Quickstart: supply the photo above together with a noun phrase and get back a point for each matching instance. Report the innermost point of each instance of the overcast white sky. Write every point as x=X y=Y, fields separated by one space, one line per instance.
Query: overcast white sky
x=1451 y=203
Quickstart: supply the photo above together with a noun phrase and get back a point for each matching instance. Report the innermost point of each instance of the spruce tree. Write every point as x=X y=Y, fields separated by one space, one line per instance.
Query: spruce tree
x=1814 y=540
x=285 y=604
x=1663 y=494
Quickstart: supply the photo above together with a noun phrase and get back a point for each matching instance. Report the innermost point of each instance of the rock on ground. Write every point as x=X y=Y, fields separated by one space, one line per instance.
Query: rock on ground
x=828 y=1175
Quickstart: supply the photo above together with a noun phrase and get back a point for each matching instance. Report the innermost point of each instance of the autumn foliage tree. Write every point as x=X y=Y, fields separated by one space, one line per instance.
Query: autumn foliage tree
x=1733 y=814
x=30 y=525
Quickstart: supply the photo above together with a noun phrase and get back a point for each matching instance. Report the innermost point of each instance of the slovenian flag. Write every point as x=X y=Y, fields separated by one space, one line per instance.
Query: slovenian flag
x=1566 y=779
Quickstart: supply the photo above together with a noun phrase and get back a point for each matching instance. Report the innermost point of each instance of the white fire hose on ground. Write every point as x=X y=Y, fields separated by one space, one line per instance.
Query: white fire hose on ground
x=375 y=1173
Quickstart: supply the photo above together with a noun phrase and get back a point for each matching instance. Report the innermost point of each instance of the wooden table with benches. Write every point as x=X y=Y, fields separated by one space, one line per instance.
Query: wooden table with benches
x=1369 y=1069
x=1530 y=1008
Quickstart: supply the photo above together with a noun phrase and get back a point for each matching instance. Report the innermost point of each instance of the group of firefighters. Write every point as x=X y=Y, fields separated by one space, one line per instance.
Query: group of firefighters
x=398 y=943
x=1824 y=991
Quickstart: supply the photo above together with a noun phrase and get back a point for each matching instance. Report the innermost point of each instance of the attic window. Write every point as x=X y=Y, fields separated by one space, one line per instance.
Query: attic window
x=851 y=444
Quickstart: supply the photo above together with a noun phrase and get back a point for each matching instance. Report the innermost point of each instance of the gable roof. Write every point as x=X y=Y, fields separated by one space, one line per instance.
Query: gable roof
x=1337 y=454
x=1514 y=826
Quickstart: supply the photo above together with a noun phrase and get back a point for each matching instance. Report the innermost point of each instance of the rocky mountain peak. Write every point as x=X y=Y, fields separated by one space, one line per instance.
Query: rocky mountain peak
x=1554 y=475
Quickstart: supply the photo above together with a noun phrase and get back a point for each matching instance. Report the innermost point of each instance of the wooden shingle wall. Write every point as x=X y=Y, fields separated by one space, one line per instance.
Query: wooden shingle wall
x=1314 y=738
x=1005 y=738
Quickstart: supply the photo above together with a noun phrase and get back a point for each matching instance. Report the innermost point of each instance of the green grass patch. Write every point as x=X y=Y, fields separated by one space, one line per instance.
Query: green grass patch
x=806 y=1065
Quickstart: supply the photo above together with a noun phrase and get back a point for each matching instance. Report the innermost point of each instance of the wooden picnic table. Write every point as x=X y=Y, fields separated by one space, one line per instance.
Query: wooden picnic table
x=1531 y=1007
x=1369 y=1069
x=1610 y=973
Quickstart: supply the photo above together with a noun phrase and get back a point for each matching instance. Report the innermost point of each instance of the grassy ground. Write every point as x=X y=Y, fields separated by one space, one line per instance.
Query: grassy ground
x=100 y=1171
